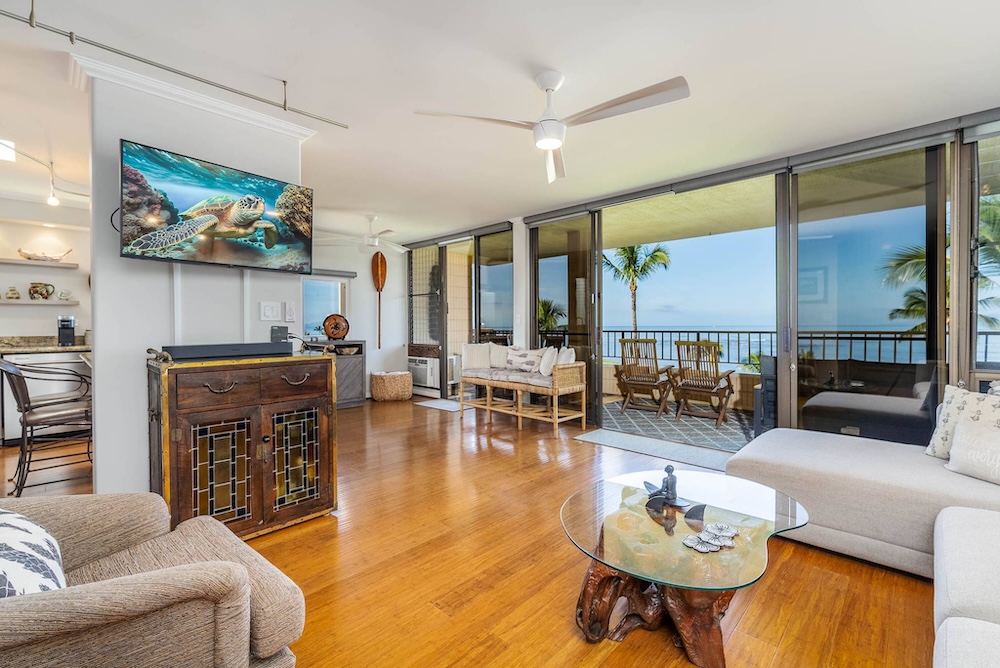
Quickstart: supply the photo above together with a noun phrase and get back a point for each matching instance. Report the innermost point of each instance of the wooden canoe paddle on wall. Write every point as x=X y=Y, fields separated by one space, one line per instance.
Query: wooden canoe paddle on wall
x=378 y=277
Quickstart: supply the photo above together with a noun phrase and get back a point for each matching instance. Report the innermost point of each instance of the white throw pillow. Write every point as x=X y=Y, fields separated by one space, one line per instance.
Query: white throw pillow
x=498 y=356
x=30 y=560
x=475 y=356
x=566 y=356
x=524 y=360
x=975 y=449
x=958 y=403
x=547 y=361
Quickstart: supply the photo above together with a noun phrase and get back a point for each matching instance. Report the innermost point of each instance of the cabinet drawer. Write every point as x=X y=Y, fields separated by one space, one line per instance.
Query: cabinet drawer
x=294 y=380
x=206 y=389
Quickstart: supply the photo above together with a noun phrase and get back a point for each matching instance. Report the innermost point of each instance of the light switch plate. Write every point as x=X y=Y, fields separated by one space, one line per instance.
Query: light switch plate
x=290 y=311
x=270 y=311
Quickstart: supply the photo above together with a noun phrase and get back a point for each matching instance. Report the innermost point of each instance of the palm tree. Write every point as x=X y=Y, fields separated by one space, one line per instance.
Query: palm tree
x=909 y=265
x=548 y=315
x=637 y=263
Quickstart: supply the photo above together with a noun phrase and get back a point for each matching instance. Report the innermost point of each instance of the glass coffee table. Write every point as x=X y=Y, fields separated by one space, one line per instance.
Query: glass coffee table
x=673 y=557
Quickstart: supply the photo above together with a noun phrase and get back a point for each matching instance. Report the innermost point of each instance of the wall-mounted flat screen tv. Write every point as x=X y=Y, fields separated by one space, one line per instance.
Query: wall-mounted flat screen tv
x=184 y=209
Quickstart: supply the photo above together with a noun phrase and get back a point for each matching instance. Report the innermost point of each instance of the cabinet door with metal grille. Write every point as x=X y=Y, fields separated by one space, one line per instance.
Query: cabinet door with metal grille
x=216 y=465
x=298 y=437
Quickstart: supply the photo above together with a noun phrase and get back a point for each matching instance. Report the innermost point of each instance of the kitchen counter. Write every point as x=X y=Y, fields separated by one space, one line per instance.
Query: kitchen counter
x=25 y=345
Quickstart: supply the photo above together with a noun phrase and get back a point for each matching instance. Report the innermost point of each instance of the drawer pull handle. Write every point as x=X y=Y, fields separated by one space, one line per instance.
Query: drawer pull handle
x=292 y=382
x=222 y=391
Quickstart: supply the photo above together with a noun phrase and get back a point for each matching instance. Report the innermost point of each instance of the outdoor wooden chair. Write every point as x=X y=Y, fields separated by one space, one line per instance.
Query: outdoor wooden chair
x=698 y=379
x=641 y=373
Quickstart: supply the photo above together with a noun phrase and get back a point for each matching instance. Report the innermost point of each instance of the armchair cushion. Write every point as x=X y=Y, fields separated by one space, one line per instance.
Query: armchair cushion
x=29 y=557
x=277 y=607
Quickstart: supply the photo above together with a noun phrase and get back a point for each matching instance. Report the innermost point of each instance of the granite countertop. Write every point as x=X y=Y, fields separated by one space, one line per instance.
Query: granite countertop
x=23 y=345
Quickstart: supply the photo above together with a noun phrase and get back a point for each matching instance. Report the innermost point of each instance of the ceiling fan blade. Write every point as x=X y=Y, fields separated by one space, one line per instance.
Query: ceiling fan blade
x=527 y=125
x=670 y=90
x=389 y=245
x=555 y=168
x=385 y=233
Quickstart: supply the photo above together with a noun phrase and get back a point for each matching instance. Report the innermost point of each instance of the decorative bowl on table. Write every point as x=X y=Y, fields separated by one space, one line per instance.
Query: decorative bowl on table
x=348 y=350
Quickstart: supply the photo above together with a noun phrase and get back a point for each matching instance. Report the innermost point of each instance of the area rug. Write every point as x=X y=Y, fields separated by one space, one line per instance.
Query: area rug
x=443 y=405
x=709 y=458
x=734 y=433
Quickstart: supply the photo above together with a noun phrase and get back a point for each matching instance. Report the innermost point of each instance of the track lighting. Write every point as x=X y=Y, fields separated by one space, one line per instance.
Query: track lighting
x=52 y=200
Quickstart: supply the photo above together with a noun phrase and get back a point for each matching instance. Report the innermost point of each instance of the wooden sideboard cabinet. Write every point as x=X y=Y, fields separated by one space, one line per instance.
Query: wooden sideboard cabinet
x=251 y=442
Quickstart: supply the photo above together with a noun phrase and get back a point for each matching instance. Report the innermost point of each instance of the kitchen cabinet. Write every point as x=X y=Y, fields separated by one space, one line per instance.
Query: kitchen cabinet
x=249 y=442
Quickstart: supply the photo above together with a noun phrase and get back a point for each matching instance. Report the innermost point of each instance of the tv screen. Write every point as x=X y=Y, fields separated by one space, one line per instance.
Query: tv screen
x=184 y=209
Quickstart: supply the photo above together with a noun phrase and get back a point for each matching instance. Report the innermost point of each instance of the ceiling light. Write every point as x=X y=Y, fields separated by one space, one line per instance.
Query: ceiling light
x=52 y=200
x=549 y=134
x=7 y=150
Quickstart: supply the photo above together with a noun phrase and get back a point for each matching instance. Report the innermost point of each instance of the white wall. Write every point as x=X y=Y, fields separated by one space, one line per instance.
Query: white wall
x=361 y=302
x=523 y=312
x=136 y=304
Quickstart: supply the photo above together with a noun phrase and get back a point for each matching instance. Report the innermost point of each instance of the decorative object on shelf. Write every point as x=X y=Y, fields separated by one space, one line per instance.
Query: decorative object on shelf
x=88 y=337
x=41 y=290
x=12 y=293
x=42 y=257
x=378 y=277
x=336 y=326
x=347 y=350
x=64 y=295
x=667 y=492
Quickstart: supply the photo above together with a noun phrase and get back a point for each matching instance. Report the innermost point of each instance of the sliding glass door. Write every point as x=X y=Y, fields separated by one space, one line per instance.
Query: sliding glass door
x=870 y=263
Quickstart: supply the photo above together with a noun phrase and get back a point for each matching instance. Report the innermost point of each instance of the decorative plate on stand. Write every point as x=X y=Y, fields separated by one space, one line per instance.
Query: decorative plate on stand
x=335 y=326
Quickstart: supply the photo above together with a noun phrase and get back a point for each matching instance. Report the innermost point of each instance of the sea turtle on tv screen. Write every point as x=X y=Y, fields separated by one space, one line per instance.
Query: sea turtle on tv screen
x=220 y=216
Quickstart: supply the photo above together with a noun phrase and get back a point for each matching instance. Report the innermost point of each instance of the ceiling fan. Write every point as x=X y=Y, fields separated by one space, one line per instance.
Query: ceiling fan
x=550 y=130
x=375 y=240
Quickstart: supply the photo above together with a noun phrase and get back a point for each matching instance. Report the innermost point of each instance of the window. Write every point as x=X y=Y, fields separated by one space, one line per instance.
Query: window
x=320 y=298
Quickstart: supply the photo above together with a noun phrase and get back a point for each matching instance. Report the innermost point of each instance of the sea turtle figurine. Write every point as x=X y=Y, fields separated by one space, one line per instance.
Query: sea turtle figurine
x=220 y=216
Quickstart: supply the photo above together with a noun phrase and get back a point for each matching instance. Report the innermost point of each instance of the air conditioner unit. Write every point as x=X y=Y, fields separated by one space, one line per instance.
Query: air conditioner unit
x=425 y=371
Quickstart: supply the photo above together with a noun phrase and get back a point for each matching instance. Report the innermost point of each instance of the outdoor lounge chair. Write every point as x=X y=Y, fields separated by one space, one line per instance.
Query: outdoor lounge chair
x=641 y=373
x=698 y=379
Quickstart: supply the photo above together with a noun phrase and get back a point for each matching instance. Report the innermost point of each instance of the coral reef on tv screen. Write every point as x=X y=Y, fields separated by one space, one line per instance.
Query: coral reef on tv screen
x=188 y=210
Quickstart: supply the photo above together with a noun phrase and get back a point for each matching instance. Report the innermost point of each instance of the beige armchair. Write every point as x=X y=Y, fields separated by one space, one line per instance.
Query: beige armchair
x=144 y=596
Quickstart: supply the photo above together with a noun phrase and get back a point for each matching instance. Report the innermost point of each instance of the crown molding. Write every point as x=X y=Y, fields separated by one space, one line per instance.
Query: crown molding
x=83 y=69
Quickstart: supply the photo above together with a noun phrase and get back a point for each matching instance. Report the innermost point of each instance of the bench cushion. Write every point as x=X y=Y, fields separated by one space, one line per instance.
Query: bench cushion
x=965 y=580
x=872 y=499
x=966 y=643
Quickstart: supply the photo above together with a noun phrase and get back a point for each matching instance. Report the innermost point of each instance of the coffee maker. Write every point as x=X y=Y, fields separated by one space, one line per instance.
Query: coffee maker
x=67 y=330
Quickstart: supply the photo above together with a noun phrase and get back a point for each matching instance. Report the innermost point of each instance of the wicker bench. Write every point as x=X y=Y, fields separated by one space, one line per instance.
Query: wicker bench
x=566 y=379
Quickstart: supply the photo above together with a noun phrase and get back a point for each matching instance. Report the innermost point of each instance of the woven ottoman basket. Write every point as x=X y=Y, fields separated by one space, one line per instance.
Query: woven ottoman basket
x=392 y=385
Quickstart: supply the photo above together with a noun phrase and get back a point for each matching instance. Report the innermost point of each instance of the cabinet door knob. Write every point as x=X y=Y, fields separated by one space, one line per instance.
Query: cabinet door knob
x=222 y=391
x=293 y=382
x=267 y=439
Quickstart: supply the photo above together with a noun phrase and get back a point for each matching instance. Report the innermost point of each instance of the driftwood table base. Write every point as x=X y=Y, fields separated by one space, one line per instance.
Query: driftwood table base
x=696 y=613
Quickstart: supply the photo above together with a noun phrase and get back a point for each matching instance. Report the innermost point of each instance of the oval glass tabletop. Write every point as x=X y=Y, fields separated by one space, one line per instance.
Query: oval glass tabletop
x=614 y=522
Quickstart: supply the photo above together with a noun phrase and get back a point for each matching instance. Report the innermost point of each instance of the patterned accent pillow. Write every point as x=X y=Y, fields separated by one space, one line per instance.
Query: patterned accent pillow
x=959 y=403
x=975 y=449
x=524 y=360
x=30 y=560
x=475 y=356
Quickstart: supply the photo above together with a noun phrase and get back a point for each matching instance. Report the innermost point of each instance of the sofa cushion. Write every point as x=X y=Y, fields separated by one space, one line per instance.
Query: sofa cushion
x=30 y=560
x=476 y=373
x=277 y=607
x=566 y=356
x=975 y=449
x=884 y=491
x=957 y=401
x=966 y=643
x=523 y=360
x=965 y=581
x=475 y=355
x=548 y=360
x=498 y=356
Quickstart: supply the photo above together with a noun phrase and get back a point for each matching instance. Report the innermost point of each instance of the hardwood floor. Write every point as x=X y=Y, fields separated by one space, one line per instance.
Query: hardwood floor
x=447 y=550
x=49 y=482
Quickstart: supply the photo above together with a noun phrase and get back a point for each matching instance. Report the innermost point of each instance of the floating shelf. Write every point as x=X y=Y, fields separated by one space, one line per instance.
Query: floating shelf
x=40 y=263
x=38 y=302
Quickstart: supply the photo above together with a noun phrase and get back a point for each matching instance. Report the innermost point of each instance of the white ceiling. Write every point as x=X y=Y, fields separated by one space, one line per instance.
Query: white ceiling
x=767 y=80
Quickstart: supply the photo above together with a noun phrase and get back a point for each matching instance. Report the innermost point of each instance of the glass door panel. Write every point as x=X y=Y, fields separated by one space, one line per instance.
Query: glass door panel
x=459 y=314
x=495 y=288
x=870 y=257
x=565 y=292
x=986 y=306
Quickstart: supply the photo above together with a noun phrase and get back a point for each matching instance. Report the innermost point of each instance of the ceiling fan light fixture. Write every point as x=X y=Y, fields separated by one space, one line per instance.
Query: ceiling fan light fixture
x=549 y=134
